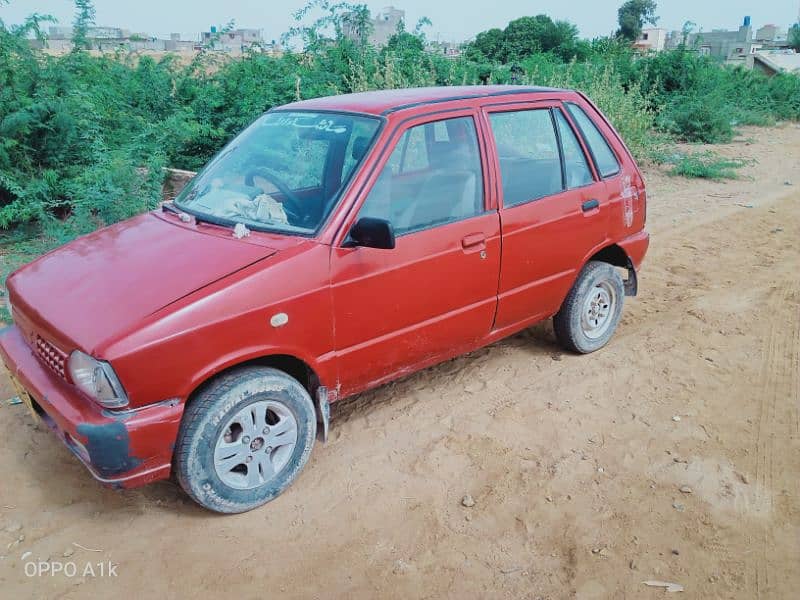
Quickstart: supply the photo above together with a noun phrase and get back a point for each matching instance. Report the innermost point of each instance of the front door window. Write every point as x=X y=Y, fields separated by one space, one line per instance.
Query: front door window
x=432 y=177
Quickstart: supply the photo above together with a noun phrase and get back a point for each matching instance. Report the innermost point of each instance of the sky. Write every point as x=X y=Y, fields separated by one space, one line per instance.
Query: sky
x=453 y=20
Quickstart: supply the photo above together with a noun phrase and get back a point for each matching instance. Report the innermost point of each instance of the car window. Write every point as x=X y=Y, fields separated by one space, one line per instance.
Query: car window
x=527 y=148
x=278 y=174
x=604 y=157
x=432 y=177
x=576 y=166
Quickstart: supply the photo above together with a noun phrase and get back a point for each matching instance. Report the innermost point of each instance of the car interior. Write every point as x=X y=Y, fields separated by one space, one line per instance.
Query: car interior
x=448 y=186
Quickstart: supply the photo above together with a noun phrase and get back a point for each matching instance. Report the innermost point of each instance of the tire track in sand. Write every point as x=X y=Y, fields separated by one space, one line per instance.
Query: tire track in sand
x=777 y=422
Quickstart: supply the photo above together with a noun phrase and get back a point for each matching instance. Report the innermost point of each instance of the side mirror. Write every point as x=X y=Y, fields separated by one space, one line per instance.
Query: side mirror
x=372 y=233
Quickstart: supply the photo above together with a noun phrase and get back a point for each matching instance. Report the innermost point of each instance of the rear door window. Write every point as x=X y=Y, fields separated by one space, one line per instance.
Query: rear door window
x=604 y=157
x=527 y=149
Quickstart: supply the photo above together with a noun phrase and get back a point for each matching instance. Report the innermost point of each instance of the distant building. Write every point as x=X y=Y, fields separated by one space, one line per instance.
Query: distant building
x=384 y=26
x=176 y=44
x=730 y=46
x=769 y=33
x=93 y=33
x=653 y=39
x=113 y=39
x=773 y=37
x=235 y=42
x=59 y=39
x=773 y=62
x=448 y=49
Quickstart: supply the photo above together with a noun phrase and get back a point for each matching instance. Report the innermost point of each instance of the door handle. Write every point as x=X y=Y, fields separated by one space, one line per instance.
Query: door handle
x=472 y=240
x=590 y=205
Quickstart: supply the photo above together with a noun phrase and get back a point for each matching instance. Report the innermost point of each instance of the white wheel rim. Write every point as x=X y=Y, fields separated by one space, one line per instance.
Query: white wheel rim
x=255 y=445
x=597 y=313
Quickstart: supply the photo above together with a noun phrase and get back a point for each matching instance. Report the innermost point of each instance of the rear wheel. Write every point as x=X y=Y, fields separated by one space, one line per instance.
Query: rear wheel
x=244 y=439
x=592 y=309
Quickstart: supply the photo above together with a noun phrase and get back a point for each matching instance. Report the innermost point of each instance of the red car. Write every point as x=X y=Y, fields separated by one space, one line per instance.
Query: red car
x=334 y=245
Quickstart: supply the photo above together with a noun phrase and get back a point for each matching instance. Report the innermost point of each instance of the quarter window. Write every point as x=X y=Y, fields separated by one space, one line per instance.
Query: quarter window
x=604 y=157
x=527 y=147
x=432 y=177
x=575 y=166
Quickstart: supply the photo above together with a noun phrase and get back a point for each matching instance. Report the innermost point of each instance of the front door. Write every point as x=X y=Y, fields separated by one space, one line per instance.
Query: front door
x=434 y=294
x=553 y=211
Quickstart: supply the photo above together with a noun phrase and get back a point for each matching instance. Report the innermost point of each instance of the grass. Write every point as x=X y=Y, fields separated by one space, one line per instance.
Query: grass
x=701 y=165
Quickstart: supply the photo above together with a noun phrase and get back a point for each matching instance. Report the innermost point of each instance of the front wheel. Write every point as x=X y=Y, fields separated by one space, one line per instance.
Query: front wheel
x=592 y=310
x=244 y=439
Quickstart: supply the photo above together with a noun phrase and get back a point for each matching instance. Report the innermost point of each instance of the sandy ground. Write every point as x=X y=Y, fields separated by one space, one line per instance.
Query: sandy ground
x=575 y=463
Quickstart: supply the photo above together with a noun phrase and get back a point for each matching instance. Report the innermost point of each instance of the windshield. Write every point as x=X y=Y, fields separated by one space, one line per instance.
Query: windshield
x=284 y=173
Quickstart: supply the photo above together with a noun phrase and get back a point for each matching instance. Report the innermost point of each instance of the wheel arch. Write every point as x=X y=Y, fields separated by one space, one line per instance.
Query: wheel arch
x=293 y=366
x=615 y=255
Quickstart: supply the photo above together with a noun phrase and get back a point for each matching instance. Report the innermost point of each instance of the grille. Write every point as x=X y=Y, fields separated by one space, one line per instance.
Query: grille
x=52 y=356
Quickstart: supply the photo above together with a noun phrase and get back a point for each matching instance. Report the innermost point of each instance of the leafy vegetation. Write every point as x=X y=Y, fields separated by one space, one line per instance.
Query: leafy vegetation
x=84 y=138
x=632 y=17
x=794 y=37
x=704 y=165
x=527 y=36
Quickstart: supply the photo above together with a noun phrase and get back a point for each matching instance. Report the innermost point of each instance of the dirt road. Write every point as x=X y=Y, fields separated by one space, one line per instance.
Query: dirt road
x=575 y=463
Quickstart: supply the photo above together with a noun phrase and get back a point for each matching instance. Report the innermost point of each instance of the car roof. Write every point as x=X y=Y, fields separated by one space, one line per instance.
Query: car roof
x=382 y=102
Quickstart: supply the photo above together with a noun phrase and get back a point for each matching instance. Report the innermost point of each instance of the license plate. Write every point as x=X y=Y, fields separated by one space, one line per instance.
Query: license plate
x=23 y=395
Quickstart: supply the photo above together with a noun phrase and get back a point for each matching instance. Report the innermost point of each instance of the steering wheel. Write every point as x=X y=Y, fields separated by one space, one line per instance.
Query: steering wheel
x=291 y=203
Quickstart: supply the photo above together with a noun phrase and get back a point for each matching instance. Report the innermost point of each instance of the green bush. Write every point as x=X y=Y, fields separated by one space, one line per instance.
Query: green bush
x=630 y=109
x=703 y=165
x=697 y=119
x=83 y=138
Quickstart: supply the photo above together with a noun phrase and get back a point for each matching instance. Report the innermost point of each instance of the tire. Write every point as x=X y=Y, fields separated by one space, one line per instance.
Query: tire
x=244 y=439
x=592 y=309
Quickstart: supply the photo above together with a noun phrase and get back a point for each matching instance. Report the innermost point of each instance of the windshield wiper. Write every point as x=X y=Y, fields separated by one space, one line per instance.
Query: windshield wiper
x=188 y=217
x=183 y=216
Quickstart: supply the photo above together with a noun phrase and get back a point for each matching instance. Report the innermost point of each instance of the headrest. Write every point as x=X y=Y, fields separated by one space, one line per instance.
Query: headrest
x=360 y=145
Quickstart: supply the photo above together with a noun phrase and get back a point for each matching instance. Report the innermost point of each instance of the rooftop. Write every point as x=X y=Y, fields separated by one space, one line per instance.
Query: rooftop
x=380 y=102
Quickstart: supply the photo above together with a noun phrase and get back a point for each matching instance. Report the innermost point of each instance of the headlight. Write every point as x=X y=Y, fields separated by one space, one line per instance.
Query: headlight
x=97 y=379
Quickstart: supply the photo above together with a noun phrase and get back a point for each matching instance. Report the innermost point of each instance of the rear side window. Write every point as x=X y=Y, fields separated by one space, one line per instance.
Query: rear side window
x=604 y=157
x=576 y=167
x=432 y=177
x=527 y=148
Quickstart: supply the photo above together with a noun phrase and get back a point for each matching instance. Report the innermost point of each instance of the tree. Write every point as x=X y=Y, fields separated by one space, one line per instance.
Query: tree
x=794 y=37
x=529 y=35
x=632 y=17
x=403 y=41
x=84 y=18
x=487 y=45
x=686 y=31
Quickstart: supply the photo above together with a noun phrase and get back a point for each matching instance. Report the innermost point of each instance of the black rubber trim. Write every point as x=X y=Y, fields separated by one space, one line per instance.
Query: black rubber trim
x=521 y=90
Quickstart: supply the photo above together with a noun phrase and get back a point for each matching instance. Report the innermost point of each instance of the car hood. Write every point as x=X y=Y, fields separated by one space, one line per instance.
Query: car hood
x=100 y=285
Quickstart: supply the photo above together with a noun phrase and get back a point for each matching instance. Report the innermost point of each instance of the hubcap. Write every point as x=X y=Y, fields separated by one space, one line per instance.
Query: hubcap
x=598 y=309
x=255 y=445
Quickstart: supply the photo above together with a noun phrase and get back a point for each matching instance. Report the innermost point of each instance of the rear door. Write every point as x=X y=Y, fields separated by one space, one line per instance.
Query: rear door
x=553 y=208
x=434 y=295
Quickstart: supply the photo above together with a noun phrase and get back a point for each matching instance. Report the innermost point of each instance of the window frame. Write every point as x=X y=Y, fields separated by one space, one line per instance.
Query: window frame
x=587 y=145
x=393 y=143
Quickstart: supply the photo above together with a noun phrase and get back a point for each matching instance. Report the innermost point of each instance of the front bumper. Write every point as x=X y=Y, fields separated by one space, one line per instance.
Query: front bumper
x=126 y=448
